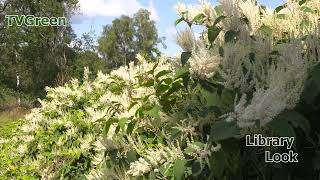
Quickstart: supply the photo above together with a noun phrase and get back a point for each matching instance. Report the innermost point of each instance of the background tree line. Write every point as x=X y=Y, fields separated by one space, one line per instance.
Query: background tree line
x=50 y=56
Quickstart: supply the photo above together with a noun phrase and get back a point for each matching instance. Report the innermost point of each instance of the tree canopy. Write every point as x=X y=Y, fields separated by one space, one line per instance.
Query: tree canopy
x=126 y=37
x=37 y=54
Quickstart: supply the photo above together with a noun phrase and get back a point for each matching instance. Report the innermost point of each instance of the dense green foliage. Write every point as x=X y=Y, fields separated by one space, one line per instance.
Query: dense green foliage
x=36 y=54
x=126 y=37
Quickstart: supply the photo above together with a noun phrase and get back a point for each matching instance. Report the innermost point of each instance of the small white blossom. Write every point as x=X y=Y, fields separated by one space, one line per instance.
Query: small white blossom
x=203 y=62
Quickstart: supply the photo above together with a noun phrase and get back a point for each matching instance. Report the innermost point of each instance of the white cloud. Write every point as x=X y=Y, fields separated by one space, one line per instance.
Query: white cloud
x=115 y=8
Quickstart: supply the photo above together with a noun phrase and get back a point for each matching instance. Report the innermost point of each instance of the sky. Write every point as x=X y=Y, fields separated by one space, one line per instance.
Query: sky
x=94 y=14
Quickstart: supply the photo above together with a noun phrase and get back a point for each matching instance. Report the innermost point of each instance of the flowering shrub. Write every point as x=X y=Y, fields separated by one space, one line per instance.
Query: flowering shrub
x=251 y=71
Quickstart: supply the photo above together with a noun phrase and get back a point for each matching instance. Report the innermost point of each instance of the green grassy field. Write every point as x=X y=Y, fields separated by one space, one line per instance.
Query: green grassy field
x=9 y=119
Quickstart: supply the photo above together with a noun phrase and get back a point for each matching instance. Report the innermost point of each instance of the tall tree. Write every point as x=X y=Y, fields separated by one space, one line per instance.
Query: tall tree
x=145 y=32
x=37 y=54
x=127 y=36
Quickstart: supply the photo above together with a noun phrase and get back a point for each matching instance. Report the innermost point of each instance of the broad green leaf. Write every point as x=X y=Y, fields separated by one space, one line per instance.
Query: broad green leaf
x=211 y=98
x=167 y=81
x=219 y=19
x=176 y=86
x=131 y=156
x=312 y=86
x=223 y=130
x=107 y=125
x=185 y=81
x=199 y=18
x=219 y=10
x=306 y=9
x=179 y=168
x=305 y=24
x=181 y=72
x=154 y=112
x=122 y=123
x=281 y=16
x=292 y=118
x=166 y=170
x=218 y=163
x=162 y=73
x=132 y=105
x=302 y=2
x=185 y=56
x=209 y=86
x=152 y=176
x=213 y=33
x=266 y=30
x=162 y=88
x=148 y=83
x=279 y=8
x=283 y=128
x=178 y=21
x=197 y=168
x=130 y=127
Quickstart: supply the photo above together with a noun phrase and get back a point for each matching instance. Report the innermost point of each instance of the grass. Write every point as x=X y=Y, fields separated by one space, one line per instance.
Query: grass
x=9 y=120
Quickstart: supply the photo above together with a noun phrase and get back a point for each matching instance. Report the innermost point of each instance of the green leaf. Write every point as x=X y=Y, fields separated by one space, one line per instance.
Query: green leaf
x=207 y=85
x=302 y=2
x=132 y=105
x=219 y=19
x=281 y=16
x=166 y=170
x=305 y=24
x=213 y=33
x=197 y=168
x=162 y=73
x=199 y=18
x=223 y=130
x=131 y=156
x=185 y=81
x=162 y=88
x=292 y=118
x=130 y=127
x=152 y=176
x=178 y=21
x=154 y=112
x=312 y=87
x=285 y=123
x=179 y=168
x=148 y=83
x=122 y=123
x=266 y=30
x=167 y=81
x=181 y=72
x=279 y=8
x=185 y=56
x=176 y=86
x=283 y=128
x=218 y=163
x=219 y=10
x=108 y=124
x=306 y=9
x=211 y=98
x=230 y=36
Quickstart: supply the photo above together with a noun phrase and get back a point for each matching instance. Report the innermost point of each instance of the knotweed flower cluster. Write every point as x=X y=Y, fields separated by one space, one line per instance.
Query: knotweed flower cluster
x=262 y=53
x=189 y=13
x=153 y=158
x=71 y=120
x=203 y=62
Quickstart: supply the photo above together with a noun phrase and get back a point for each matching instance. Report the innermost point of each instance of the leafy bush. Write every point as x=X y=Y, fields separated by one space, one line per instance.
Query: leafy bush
x=251 y=71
